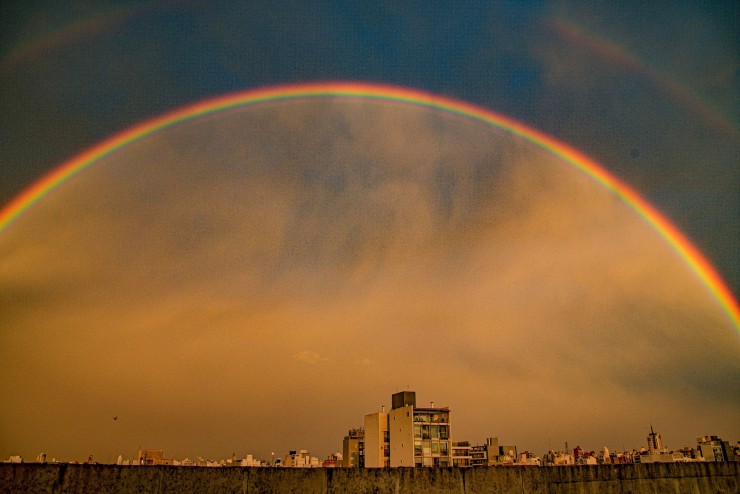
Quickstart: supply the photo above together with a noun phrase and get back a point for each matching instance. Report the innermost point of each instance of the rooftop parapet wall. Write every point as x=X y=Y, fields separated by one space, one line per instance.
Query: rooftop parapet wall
x=696 y=478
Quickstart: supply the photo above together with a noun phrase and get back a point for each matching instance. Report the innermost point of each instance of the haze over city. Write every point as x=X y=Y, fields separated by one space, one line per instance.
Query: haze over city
x=258 y=279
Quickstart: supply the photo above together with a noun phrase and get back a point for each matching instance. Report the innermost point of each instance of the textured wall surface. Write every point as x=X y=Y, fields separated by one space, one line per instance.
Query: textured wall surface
x=618 y=479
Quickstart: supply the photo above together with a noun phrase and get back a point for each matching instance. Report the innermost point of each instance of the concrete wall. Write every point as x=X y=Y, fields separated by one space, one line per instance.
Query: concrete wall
x=656 y=478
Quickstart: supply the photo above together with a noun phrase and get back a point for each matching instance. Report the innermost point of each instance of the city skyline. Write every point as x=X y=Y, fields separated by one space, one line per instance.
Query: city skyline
x=261 y=275
x=520 y=455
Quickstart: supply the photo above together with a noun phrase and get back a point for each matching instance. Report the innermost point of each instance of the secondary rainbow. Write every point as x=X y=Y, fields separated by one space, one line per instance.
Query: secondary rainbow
x=698 y=263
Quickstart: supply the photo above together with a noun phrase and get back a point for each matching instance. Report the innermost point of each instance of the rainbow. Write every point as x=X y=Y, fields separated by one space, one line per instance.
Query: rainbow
x=618 y=56
x=696 y=261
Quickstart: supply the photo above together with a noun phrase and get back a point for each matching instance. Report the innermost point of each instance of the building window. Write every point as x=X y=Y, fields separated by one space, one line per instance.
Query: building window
x=444 y=432
x=435 y=448
x=435 y=431
x=417 y=448
x=426 y=432
x=417 y=431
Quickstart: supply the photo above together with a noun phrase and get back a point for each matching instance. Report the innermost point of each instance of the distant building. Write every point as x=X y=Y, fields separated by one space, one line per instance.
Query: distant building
x=461 y=454
x=655 y=443
x=353 y=449
x=486 y=454
x=479 y=455
x=662 y=457
x=300 y=459
x=657 y=452
x=490 y=453
x=250 y=461
x=527 y=458
x=558 y=458
x=689 y=453
x=150 y=457
x=712 y=448
x=578 y=454
x=334 y=460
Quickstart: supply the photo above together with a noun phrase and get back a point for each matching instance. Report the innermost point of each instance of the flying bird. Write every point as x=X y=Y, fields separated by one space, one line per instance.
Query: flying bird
x=115 y=417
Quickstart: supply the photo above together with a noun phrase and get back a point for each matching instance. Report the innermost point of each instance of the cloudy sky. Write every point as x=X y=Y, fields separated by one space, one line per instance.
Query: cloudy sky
x=258 y=280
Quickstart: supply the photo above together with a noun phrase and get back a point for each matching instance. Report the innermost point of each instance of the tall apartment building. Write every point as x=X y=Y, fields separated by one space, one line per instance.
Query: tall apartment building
x=377 y=440
x=408 y=435
x=419 y=436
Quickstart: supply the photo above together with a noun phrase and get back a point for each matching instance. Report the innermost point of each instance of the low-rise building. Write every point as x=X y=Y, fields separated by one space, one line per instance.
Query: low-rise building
x=300 y=459
x=334 y=460
x=150 y=457
x=461 y=456
x=250 y=461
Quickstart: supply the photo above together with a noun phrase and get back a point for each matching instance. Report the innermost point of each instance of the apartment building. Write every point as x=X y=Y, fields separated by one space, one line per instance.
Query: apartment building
x=353 y=448
x=377 y=440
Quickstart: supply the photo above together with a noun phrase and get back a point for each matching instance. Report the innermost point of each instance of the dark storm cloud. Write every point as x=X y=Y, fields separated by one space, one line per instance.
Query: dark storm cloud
x=149 y=58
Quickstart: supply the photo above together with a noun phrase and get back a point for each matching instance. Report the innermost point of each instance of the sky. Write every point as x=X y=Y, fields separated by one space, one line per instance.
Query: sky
x=259 y=279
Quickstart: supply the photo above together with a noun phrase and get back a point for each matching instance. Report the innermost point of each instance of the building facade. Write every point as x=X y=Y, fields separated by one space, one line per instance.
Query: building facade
x=353 y=449
x=408 y=435
x=150 y=457
x=377 y=440
x=461 y=454
x=655 y=442
x=419 y=436
x=712 y=448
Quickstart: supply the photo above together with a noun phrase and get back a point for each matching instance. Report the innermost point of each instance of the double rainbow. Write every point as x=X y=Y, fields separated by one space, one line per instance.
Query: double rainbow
x=696 y=261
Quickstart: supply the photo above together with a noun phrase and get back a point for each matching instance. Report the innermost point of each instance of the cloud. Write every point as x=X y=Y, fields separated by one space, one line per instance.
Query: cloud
x=309 y=357
x=251 y=261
